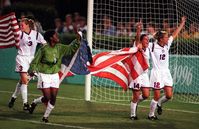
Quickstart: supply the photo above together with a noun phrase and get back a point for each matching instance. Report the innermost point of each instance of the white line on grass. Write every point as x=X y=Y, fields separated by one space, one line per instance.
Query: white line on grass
x=175 y=110
x=68 y=98
x=37 y=122
x=37 y=95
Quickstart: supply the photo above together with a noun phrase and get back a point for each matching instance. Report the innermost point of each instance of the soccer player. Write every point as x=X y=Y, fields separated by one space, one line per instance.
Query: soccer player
x=47 y=63
x=28 y=40
x=141 y=83
x=160 y=74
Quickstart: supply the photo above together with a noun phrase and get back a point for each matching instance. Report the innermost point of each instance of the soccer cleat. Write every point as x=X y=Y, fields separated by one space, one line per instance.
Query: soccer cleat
x=153 y=117
x=134 y=118
x=159 y=109
x=11 y=102
x=26 y=106
x=45 y=119
x=32 y=107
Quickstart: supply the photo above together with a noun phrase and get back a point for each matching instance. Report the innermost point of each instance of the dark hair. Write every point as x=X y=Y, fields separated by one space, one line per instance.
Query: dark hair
x=159 y=35
x=48 y=34
x=142 y=36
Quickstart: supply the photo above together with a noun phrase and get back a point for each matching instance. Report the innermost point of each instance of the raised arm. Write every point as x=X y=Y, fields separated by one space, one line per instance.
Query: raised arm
x=138 y=32
x=179 y=28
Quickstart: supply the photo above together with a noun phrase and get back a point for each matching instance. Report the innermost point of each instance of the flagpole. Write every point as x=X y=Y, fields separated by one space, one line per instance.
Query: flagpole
x=67 y=70
x=89 y=39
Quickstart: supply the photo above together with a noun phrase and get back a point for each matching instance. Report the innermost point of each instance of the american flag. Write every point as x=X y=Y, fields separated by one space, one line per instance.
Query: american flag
x=8 y=31
x=120 y=66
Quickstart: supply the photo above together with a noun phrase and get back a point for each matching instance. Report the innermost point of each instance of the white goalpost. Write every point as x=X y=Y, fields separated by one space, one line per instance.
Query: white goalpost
x=111 y=26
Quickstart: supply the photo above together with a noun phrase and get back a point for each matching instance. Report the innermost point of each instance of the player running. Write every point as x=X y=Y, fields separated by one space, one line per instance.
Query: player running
x=160 y=74
x=28 y=40
x=141 y=83
x=47 y=63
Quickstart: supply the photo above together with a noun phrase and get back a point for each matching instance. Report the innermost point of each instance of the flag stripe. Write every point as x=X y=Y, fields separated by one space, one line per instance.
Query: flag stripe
x=113 y=77
x=105 y=61
x=9 y=29
x=132 y=66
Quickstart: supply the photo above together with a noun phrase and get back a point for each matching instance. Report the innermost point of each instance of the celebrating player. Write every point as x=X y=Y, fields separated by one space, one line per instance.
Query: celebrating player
x=141 y=83
x=28 y=41
x=47 y=63
x=160 y=73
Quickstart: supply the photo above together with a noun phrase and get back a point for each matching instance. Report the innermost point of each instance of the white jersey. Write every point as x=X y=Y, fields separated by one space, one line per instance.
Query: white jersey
x=146 y=55
x=28 y=42
x=160 y=55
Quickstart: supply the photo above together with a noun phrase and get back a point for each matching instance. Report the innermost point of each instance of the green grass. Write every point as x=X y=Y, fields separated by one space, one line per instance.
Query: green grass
x=72 y=112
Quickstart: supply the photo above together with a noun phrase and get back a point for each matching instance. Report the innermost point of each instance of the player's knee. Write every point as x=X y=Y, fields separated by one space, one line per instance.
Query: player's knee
x=45 y=99
x=169 y=96
x=24 y=82
x=52 y=102
x=156 y=98
x=145 y=96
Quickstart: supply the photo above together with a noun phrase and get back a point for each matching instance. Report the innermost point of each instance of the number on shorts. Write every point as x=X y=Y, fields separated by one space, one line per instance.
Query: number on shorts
x=136 y=86
x=156 y=84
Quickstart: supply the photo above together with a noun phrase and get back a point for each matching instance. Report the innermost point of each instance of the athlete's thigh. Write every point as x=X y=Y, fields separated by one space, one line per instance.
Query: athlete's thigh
x=156 y=79
x=168 y=81
x=22 y=64
x=144 y=78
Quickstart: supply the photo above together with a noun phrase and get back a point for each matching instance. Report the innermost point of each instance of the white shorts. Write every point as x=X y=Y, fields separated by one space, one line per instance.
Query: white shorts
x=48 y=80
x=160 y=78
x=140 y=81
x=23 y=63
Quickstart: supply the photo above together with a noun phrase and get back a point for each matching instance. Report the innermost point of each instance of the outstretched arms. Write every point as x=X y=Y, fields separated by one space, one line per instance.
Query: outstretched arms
x=179 y=28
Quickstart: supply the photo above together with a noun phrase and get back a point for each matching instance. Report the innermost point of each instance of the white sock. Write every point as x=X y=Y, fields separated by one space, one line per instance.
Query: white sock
x=24 y=93
x=133 y=109
x=140 y=99
x=153 y=106
x=17 y=90
x=38 y=100
x=163 y=99
x=49 y=108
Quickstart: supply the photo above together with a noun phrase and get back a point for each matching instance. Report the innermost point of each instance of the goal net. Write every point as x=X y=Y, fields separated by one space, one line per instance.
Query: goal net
x=114 y=28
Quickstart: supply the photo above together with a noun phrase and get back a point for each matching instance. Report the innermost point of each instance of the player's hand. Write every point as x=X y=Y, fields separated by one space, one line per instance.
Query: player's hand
x=183 y=19
x=79 y=35
x=32 y=73
x=139 y=46
x=139 y=25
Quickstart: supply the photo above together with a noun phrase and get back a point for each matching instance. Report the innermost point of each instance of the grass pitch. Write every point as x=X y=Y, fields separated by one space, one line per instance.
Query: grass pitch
x=72 y=112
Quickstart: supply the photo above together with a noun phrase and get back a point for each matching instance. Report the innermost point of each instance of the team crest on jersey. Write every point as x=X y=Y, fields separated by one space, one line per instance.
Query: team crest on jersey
x=163 y=50
x=29 y=38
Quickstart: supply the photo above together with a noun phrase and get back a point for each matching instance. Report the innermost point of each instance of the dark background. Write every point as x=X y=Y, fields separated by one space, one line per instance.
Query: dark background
x=62 y=6
x=46 y=11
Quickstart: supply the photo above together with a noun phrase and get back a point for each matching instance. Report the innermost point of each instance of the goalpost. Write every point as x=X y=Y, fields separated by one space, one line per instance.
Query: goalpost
x=111 y=26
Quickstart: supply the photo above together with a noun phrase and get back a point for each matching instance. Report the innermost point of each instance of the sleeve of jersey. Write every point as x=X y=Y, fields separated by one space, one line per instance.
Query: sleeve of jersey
x=70 y=49
x=41 y=39
x=170 y=41
x=150 y=46
x=35 y=61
